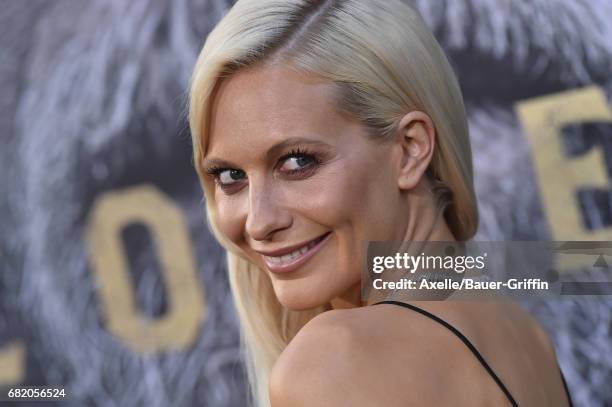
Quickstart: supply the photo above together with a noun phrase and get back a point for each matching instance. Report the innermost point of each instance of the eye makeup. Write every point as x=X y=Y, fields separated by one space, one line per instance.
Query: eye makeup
x=303 y=161
x=298 y=163
x=228 y=179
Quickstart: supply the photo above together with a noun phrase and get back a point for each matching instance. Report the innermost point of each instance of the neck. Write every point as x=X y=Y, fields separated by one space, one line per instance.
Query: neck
x=424 y=222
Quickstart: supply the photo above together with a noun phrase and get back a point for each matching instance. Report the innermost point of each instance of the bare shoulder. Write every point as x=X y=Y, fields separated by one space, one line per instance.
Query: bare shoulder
x=372 y=356
x=316 y=367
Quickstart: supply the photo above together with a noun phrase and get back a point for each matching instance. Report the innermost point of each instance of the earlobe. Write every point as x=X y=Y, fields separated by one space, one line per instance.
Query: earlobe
x=416 y=138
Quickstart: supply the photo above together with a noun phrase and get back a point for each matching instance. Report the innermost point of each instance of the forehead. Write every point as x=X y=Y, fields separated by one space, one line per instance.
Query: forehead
x=260 y=106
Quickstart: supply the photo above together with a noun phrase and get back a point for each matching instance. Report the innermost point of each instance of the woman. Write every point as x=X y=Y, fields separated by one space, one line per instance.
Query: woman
x=318 y=125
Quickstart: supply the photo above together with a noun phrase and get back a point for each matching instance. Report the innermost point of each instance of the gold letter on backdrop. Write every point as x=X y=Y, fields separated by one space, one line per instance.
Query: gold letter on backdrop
x=111 y=213
x=560 y=176
x=12 y=364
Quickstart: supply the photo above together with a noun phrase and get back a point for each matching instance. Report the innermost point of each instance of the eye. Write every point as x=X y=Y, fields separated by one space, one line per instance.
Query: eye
x=229 y=176
x=226 y=178
x=298 y=161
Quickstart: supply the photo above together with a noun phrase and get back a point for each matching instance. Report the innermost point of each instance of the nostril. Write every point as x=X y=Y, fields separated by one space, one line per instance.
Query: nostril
x=262 y=229
x=265 y=220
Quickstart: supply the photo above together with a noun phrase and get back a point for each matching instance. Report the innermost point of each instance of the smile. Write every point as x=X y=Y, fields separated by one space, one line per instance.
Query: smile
x=284 y=261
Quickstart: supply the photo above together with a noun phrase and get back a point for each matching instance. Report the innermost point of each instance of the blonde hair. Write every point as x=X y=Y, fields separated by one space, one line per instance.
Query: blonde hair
x=385 y=63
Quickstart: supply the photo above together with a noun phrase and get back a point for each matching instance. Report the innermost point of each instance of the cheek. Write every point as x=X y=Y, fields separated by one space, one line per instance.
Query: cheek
x=360 y=189
x=332 y=197
x=230 y=218
x=362 y=199
x=348 y=197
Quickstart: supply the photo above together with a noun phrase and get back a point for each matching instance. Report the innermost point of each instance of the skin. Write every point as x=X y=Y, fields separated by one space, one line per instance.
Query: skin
x=267 y=208
x=355 y=190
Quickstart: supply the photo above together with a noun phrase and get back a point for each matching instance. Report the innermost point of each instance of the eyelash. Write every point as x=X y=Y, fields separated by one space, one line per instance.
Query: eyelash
x=301 y=152
x=295 y=152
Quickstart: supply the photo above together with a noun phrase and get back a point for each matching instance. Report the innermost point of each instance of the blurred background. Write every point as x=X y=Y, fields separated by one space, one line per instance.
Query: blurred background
x=110 y=283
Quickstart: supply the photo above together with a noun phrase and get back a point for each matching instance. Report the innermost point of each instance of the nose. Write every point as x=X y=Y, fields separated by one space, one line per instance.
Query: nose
x=267 y=216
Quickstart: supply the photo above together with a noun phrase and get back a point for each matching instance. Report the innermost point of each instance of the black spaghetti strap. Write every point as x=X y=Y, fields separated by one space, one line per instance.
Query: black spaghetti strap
x=569 y=398
x=465 y=340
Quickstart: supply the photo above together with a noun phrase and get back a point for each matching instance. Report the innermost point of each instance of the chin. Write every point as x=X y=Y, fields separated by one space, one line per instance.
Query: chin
x=296 y=298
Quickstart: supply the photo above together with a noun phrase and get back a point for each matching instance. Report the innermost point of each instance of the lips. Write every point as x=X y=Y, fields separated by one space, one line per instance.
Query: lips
x=289 y=259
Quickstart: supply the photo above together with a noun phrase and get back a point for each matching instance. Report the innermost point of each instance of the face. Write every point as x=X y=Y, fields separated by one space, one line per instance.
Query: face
x=298 y=185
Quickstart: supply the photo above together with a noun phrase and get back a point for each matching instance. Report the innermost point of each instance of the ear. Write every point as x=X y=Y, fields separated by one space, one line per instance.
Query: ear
x=416 y=139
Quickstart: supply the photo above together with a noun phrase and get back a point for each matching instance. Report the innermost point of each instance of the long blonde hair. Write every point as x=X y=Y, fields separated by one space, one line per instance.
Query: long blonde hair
x=385 y=63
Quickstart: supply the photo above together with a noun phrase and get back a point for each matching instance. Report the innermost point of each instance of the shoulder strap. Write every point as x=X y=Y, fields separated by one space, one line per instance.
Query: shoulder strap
x=569 y=398
x=463 y=339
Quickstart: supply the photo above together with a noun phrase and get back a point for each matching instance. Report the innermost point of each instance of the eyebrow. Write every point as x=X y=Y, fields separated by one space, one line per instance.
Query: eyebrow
x=272 y=152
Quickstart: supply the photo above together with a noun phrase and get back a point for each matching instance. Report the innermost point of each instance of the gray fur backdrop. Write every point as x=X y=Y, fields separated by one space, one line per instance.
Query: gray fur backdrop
x=92 y=99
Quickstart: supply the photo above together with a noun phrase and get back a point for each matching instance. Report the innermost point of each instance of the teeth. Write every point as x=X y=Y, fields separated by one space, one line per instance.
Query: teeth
x=287 y=258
